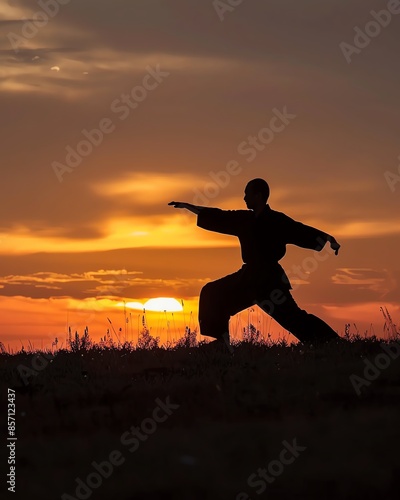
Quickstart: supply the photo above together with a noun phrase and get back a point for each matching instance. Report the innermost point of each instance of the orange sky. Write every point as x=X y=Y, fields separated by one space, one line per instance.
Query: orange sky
x=179 y=96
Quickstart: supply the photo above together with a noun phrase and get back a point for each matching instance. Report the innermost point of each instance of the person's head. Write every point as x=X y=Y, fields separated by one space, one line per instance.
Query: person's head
x=256 y=194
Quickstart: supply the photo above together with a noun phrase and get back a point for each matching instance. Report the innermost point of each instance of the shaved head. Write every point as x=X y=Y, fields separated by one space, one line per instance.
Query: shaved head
x=259 y=186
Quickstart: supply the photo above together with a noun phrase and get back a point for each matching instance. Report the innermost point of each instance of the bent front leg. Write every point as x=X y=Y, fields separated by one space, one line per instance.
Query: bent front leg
x=219 y=300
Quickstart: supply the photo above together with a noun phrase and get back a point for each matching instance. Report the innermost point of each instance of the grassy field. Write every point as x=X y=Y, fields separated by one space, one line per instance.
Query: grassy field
x=221 y=421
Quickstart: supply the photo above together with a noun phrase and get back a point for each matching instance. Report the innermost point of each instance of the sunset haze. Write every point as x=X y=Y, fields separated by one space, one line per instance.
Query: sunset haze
x=110 y=110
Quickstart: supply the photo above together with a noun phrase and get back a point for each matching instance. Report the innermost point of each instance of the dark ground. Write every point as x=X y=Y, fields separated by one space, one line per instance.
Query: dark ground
x=234 y=414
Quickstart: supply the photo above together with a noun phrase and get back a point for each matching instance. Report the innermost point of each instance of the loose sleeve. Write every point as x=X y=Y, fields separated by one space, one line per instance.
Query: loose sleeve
x=220 y=221
x=304 y=236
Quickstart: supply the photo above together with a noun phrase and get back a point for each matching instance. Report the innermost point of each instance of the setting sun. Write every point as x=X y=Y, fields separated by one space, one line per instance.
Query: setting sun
x=160 y=304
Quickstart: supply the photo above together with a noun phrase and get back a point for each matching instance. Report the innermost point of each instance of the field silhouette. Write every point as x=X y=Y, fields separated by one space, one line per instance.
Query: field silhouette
x=232 y=415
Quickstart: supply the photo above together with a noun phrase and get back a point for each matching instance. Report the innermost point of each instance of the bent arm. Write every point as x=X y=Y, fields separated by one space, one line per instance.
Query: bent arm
x=327 y=238
x=308 y=237
x=334 y=244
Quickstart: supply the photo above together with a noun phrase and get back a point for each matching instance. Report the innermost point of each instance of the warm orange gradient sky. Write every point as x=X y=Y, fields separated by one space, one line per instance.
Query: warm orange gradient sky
x=197 y=91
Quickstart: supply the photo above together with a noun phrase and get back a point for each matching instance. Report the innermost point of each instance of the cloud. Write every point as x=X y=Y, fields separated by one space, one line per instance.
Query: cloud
x=101 y=283
x=147 y=188
x=382 y=282
x=123 y=35
x=9 y=22
x=8 y=11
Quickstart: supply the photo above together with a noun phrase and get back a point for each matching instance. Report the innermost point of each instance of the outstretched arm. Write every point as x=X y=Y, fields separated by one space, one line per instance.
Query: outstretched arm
x=192 y=208
x=215 y=219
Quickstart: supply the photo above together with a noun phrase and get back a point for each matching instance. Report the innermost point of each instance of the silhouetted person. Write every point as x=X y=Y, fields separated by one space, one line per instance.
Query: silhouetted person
x=263 y=234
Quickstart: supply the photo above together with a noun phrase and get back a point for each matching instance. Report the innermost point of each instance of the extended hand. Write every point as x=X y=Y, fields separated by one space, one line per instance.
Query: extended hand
x=192 y=208
x=335 y=245
x=178 y=204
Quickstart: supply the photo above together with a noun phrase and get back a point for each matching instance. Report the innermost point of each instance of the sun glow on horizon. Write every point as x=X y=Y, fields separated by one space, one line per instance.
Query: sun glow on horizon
x=158 y=304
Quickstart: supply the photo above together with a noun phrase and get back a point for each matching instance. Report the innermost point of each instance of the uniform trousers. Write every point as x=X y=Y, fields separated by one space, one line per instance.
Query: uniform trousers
x=225 y=297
